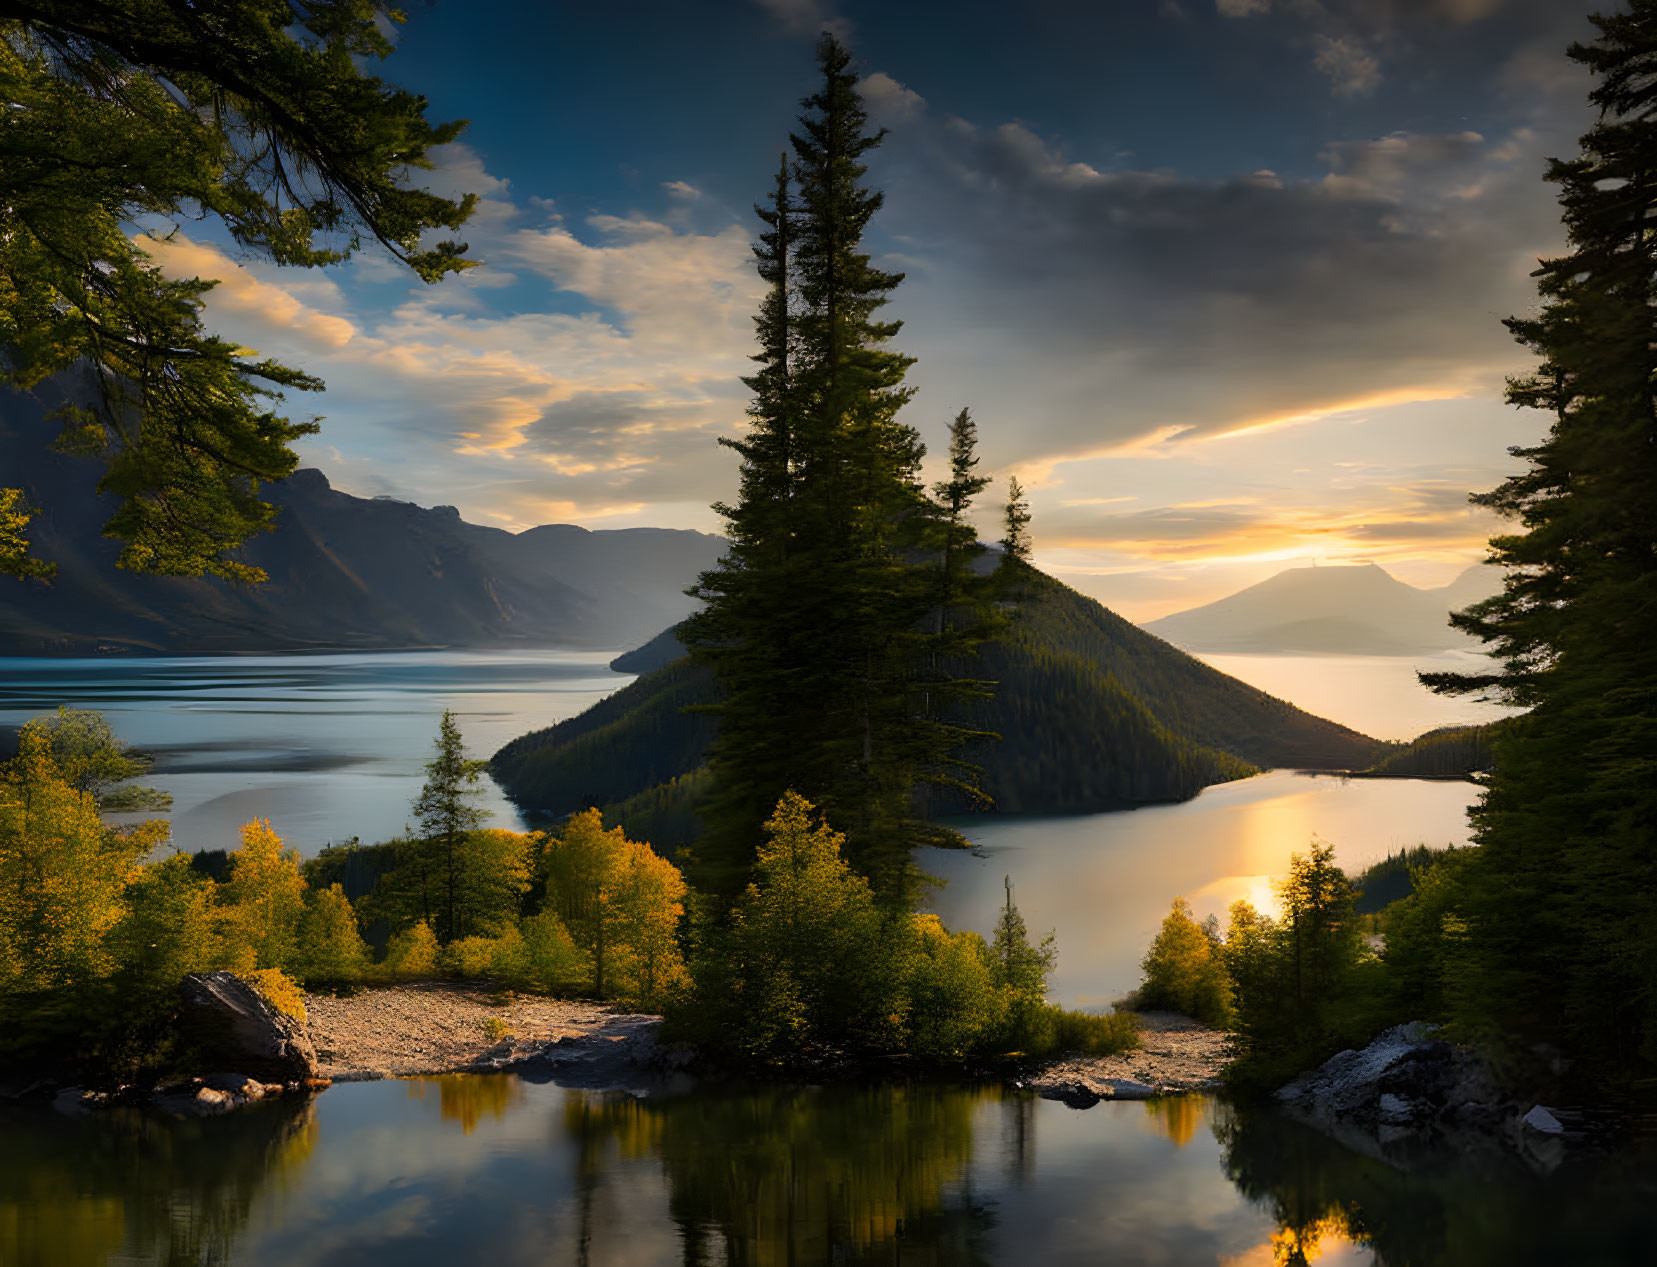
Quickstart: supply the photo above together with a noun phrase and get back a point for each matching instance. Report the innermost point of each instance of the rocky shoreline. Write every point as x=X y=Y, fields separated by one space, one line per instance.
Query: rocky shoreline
x=1409 y=1099
x=1405 y=1097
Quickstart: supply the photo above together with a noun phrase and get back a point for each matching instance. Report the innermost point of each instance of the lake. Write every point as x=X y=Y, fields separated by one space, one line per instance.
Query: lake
x=325 y=746
x=1103 y=882
x=498 y=1170
x=330 y=746
x=1378 y=695
x=502 y=1170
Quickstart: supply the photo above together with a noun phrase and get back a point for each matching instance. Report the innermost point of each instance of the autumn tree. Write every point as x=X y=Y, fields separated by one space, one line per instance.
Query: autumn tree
x=263 y=902
x=262 y=116
x=63 y=874
x=331 y=950
x=1184 y=971
x=621 y=903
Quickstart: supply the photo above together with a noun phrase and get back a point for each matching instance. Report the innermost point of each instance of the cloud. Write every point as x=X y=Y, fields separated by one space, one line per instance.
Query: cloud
x=612 y=408
x=806 y=17
x=1242 y=8
x=1352 y=69
x=1138 y=302
x=1388 y=520
x=241 y=293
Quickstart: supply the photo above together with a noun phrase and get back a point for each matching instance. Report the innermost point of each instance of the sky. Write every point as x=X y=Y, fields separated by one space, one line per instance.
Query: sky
x=1222 y=281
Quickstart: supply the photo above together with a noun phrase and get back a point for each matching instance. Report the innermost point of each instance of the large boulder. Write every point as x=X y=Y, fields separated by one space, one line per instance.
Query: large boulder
x=232 y=1027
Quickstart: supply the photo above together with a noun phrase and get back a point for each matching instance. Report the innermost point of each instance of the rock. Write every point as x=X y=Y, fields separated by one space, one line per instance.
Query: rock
x=230 y=1025
x=1075 y=1094
x=1128 y=1089
x=1539 y=1119
x=1403 y=1076
x=70 y=1101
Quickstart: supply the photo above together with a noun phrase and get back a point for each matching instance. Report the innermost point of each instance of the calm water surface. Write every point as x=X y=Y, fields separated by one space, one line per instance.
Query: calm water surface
x=503 y=1171
x=1377 y=695
x=1103 y=882
x=325 y=746
x=494 y=1170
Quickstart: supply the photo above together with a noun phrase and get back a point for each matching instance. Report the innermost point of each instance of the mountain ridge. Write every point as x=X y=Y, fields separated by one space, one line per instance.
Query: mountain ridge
x=346 y=573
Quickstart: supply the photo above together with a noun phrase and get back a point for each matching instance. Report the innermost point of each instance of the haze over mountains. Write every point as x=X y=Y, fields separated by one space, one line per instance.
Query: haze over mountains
x=345 y=573
x=1351 y=610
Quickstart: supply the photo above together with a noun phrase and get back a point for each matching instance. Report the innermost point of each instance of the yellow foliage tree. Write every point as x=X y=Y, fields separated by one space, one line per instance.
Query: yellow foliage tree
x=264 y=900
x=63 y=874
x=412 y=953
x=621 y=903
x=1184 y=970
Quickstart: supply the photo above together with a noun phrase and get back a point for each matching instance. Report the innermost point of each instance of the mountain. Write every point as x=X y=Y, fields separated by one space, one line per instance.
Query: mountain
x=1093 y=714
x=345 y=573
x=1356 y=610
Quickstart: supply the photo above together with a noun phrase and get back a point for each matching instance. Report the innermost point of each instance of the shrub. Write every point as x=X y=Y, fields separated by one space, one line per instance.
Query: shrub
x=496 y=1028
x=279 y=990
x=954 y=1004
x=469 y=957
x=1094 y=1034
x=412 y=954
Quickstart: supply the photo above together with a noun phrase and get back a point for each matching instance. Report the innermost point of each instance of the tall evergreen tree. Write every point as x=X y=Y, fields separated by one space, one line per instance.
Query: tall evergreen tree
x=1562 y=898
x=448 y=817
x=816 y=620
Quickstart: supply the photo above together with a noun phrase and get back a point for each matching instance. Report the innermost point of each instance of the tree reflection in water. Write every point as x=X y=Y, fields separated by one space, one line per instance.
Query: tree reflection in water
x=1446 y=1207
x=466 y=1097
x=1178 y=1116
x=131 y=1185
x=783 y=1176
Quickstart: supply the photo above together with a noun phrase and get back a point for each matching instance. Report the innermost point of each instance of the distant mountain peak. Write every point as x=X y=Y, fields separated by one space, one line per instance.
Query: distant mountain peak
x=1341 y=609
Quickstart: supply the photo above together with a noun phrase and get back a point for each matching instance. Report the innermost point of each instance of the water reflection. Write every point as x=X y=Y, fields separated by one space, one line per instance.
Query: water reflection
x=1176 y=1118
x=466 y=1098
x=802 y=1176
x=488 y=1169
x=1468 y=1208
x=129 y=1186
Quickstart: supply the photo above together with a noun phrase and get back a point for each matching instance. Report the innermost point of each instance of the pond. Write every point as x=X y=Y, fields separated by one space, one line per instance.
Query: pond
x=494 y=1169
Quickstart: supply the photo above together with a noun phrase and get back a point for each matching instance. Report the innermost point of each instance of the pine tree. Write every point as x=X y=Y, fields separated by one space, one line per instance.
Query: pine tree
x=1019 y=964
x=263 y=117
x=816 y=622
x=1015 y=540
x=1562 y=897
x=447 y=818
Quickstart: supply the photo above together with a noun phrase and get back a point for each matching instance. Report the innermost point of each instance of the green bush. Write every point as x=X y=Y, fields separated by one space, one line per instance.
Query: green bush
x=411 y=955
x=954 y=1004
x=469 y=957
x=540 y=957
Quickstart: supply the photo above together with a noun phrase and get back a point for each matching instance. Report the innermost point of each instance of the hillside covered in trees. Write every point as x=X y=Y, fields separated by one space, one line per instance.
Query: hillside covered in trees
x=1093 y=713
